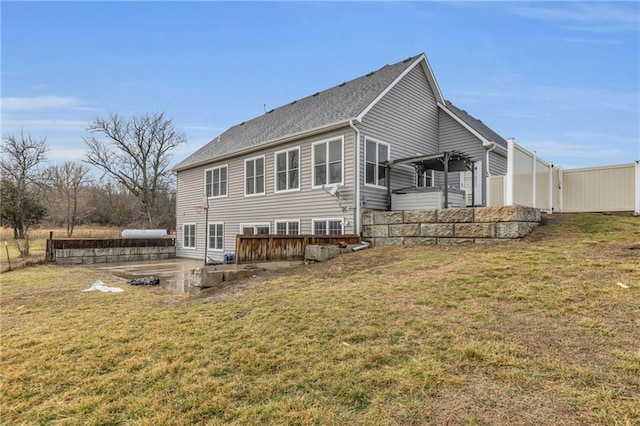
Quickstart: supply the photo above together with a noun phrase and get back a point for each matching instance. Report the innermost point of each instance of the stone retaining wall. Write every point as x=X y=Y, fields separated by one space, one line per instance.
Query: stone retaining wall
x=449 y=226
x=113 y=254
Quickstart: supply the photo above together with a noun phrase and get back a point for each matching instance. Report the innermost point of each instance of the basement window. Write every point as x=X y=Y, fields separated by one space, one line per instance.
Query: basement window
x=287 y=227
x=189 y=235
x=328 y=226
x=216 y=236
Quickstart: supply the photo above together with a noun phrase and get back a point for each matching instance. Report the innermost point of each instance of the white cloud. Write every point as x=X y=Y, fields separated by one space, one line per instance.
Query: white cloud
x=63 y=153
x=39 y=103
x=563 y=152
x=210 y=129
x=41 y=125
x=586 y=16
x=557 y=98
x=584 y=148
x=591 y=40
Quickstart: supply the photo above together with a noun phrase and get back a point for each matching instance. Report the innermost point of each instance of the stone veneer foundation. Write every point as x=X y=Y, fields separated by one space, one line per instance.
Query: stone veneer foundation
x=448 y=226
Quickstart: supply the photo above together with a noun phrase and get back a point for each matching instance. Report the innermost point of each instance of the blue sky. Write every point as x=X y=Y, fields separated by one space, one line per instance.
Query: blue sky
x=563 y=78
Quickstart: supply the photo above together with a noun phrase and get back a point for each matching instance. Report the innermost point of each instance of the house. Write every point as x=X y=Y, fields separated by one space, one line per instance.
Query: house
x=313 y=166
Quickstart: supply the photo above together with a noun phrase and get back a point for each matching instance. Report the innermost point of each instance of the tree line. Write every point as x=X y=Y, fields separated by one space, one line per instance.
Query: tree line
x=124 y=180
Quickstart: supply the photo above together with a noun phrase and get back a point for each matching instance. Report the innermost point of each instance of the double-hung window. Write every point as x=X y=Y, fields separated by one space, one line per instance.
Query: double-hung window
x=216 y=236
x=328 y=163
x=376 y=160
x=287 y=170
x=254 y=176
x=328 y=226
x=425 y=178
x=189 y=235
x=215 y=181
x=287 y=227
x=254 y=228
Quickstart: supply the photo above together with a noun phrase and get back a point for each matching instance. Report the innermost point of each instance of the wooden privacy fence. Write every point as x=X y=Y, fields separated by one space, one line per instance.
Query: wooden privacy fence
x=103 y=243
x=269 y=248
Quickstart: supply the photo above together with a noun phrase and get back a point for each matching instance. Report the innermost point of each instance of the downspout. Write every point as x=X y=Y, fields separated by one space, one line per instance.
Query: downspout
x=356 y=218
x=487 y=183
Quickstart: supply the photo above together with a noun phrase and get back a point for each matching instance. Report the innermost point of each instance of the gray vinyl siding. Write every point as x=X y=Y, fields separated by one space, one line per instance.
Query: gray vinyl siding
x=406 y=118
x=453 y=136
x=304 y=205
x=497 y=163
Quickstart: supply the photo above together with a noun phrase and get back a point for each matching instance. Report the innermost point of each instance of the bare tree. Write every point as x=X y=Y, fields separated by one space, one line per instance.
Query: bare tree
x=136 y=153
x=114 y=205
x=65 y=182
x=21 y=182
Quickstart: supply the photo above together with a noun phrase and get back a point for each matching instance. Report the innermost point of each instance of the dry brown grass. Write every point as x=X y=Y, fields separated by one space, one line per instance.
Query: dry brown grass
x=531 y=332
x=10 y=258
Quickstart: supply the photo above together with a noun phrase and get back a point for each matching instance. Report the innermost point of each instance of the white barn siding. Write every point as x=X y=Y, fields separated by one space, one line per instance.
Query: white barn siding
x=235 y=209
x=406 y=118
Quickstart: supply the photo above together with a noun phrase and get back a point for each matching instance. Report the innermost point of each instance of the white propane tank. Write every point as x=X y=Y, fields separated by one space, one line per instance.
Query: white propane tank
x=144 y=233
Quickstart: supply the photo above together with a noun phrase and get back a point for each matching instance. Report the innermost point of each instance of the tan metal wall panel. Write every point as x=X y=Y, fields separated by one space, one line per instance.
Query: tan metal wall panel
x=597 y=189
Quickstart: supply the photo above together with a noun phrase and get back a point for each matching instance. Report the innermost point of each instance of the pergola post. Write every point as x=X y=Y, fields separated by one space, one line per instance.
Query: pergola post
x=388 y=166
x=473 y=185
x=446 y=180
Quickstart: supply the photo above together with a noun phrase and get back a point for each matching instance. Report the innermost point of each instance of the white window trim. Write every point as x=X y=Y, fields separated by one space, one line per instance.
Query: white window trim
x=255 y=224
x=244 y=181
x=313 y=163
x=433 y=178
x=211 y=169
x=208 y=235
x=195 y=235
x=336 y=219
x=275 y=170
x=276 y=222
x=372 y=185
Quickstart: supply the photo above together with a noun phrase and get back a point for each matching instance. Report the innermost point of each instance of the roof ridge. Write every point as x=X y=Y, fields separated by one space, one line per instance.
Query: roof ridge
x=475 y=123
x=336 y=104
x=335 y=86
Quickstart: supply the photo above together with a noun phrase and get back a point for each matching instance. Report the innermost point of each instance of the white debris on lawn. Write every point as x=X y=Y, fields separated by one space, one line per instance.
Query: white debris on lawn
x=100 y=286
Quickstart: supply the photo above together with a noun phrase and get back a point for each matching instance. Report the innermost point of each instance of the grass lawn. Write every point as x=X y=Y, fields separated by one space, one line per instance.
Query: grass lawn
x=531 y=332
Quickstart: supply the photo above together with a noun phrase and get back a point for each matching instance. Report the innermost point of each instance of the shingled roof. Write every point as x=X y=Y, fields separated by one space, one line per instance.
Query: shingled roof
x=477 y=125
x=339 y=104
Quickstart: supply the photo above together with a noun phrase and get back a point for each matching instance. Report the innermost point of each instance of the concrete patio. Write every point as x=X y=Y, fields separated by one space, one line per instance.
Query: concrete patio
x=174 y=273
